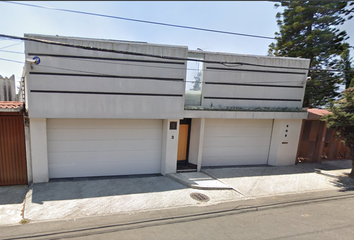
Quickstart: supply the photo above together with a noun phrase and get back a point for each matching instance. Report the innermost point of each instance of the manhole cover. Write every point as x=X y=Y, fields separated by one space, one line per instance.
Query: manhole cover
x=200 y=197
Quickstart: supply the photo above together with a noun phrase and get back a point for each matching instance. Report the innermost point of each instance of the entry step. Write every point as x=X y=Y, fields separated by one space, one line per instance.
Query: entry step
x=198 y=180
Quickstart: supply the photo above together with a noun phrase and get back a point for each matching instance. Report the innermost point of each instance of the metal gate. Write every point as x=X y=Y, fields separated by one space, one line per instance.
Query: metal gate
x=13 y=170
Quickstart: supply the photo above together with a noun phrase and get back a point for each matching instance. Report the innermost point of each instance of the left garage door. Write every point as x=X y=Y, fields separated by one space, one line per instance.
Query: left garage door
x=103 y=147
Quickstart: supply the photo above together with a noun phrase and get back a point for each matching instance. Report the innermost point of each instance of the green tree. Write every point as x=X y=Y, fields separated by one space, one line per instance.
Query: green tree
x=346 y=65
x=342 y=120
x=309 y=29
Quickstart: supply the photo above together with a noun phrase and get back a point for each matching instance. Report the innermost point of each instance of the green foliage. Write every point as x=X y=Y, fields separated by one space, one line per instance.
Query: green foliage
x=346 y=65
x=309 y=29
x=342 y=120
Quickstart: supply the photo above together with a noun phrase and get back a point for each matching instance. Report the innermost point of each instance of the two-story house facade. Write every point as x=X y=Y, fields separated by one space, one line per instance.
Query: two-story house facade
x=106 y=107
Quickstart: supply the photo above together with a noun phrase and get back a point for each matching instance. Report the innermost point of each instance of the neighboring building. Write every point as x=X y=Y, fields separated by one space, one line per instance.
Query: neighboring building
x=7 y=88
x=317 y=142
x=13 y=164
x=95 y=113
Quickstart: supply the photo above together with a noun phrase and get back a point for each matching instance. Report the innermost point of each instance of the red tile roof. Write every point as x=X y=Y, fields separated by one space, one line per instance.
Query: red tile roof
x=315 y=113
x=320 y=112
x=10 y=105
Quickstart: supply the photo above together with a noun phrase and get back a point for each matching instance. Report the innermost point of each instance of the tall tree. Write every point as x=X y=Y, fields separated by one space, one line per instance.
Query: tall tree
x=342 y=120
x=346 y=63
x=309 y=29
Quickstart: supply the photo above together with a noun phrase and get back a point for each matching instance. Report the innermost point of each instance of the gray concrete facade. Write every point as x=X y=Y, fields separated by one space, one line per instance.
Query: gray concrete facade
x=124 y=92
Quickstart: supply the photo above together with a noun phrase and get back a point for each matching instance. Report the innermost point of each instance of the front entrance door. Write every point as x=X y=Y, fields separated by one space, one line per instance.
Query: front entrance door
x=183 y=141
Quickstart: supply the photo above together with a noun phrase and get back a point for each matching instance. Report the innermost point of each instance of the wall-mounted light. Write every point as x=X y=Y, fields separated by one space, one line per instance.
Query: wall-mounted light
x=36 y=60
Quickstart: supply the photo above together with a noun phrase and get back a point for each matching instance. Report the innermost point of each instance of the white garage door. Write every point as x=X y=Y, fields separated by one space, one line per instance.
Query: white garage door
x=236 y=142
x=96 y=147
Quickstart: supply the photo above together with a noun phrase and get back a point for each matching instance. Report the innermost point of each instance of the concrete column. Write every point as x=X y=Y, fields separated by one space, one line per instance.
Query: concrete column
x=39 y=153
x=284 y=142
x=169 y=146
x=196 y=142
x=28 y=154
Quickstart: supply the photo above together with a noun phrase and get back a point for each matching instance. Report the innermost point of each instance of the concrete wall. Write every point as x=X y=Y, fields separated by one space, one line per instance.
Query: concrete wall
x=196 y=142
x=169 y=146
x=253 y=86
x=39 y=154
x=77 y=83
x=72 y=83
x=284 y=142
x=7 y=88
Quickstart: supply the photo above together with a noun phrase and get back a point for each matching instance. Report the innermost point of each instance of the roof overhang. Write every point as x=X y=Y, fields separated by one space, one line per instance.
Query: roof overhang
x=244 y=114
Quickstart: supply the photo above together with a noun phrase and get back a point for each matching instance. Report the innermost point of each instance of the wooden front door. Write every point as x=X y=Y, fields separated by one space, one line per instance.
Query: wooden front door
x=183 y=140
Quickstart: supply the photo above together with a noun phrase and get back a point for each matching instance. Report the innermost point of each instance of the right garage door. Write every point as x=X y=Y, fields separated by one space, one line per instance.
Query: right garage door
x=236 y=142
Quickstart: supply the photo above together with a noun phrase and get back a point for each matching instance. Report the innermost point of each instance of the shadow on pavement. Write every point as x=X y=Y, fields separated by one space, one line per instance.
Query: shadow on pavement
x=67 y=189
x=345 y=183
x=12 y=194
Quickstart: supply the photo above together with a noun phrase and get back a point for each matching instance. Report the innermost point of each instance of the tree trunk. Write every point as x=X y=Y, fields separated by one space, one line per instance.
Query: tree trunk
x=351 y=174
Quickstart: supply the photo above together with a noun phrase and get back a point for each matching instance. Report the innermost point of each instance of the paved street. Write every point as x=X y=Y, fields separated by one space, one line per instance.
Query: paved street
x=321 y=215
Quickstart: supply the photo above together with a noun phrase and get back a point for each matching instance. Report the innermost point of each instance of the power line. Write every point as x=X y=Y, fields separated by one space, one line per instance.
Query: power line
x=12 y=52
x=11 y=45
x=9 y=60
x=142 y=21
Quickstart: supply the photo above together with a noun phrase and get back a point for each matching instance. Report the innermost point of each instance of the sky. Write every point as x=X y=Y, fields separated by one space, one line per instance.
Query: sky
x=248 y=17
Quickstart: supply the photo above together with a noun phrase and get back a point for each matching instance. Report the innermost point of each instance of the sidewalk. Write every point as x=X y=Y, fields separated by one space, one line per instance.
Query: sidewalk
x=78 y=198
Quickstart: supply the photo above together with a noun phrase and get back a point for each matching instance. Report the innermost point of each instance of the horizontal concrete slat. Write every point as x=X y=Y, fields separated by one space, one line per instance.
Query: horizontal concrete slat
x=89 y=84
x=98 y=67
x=251 y=92
x=61 y=105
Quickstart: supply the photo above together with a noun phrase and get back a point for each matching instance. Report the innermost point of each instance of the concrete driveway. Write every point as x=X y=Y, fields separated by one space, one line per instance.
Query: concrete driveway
x=76 y=199
x=268 y=181
x=11 y=203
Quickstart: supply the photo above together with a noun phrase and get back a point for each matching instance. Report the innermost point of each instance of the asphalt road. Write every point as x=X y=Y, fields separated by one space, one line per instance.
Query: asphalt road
x=321 y=215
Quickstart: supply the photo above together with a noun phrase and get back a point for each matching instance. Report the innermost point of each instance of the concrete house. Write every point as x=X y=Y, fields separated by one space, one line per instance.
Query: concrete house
x=114 y=109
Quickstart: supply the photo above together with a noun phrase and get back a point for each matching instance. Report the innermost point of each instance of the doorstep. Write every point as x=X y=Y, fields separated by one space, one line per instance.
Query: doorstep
x=198 y=180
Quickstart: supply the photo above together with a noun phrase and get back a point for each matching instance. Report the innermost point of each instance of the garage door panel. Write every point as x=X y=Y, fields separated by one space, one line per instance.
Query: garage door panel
x=93 y=146
x=234 y=151
x=108 y=169
x=236 y=142
x=240 y=160
x=238 y=123
x=103 y=134
x=236 y=131
x=103 y=157
x=103 y=124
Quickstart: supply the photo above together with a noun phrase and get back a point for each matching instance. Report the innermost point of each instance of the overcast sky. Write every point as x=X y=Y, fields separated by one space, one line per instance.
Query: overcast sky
x=253 y=17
